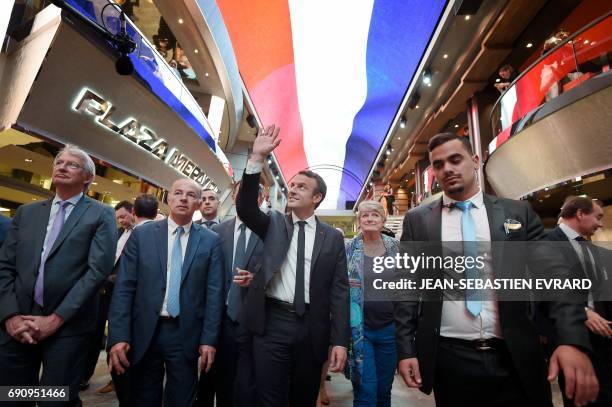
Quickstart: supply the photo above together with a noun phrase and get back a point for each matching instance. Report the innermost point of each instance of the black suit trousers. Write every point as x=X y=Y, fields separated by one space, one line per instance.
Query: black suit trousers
x=286 y=371
x=97 y=342
x=62 y=359
x=468 y=377
x=232 y=377
x=165 y=357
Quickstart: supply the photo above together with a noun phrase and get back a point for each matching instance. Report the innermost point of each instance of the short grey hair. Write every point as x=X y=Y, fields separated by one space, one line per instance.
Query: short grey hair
x=371 y=206
x=88 y=164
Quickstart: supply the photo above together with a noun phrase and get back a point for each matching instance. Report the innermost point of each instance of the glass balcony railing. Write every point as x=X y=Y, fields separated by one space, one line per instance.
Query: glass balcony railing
x=576 y=60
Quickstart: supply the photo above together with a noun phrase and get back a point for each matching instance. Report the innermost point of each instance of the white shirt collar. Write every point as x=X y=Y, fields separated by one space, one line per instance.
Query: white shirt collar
x=172 y=226
x=569 y=232
x=477 y=199
x=311 y=221
x=73 y=199
x=142 y=222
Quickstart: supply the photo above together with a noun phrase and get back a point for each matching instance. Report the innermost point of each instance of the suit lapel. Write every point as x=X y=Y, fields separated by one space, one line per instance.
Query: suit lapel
x=289 y=228
x=192 y=248
x=318 y=244
x=495 y=215
x=434 y=226
x=79 y=209
x=250 y=247
x=162 y=247
x=228 y=247
x=41 y=222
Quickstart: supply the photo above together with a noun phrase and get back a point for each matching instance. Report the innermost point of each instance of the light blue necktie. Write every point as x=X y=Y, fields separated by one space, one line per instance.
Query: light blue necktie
x=176 y=266
x=473 y=298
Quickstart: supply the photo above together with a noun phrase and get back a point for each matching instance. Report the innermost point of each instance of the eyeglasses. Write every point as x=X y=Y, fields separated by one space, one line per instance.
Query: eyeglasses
x=70 y=164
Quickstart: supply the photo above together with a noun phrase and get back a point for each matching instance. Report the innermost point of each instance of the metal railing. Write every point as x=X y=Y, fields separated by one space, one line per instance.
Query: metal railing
x=578 y=58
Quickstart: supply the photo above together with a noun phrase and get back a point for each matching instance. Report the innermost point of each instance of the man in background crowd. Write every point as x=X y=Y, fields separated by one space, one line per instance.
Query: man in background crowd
x=125 y=222
x=209 y=208
x=579 y=219
x=232 y=377
x=143 y=211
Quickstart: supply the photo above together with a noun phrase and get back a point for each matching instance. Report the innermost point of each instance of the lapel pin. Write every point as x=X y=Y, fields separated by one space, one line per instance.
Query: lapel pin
x=511 y=225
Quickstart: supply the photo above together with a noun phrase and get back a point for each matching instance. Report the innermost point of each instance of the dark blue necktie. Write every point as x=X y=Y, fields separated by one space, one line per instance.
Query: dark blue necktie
x=298 y=297
x=233 y=296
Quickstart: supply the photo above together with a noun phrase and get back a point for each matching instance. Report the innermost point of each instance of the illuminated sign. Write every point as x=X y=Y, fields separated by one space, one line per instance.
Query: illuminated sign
x=134 y=131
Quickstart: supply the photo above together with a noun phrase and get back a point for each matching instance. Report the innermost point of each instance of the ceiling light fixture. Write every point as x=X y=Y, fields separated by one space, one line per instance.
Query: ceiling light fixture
x=445 y=56
x=402 y=122
x=180 y=21
x=529 y=45
x=497 y=80
x=467 y=18
x=206 y=74
x=427 y=77
x=196 y=51
x=28 y=160
x=416 y=107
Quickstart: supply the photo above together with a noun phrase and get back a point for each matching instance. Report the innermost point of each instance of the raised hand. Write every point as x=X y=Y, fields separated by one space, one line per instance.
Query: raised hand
x=265 y=142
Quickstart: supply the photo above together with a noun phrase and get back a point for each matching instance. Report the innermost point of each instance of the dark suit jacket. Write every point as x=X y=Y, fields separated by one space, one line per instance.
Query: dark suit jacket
x=140 y=287
x=4 y=227
x=568 y=253
x=329 y=290
x=418 y=324
x=79 y=262
x=254 y=253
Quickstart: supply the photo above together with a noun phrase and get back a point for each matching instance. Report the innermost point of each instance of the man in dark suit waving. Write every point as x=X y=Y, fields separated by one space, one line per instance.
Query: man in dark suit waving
x=474 y=351
x=232 y=378
x=56 y=256
x=298 y=305
x=167 y=304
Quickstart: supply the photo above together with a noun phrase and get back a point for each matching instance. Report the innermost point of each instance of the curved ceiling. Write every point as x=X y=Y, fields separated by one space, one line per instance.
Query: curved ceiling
x=332 y=75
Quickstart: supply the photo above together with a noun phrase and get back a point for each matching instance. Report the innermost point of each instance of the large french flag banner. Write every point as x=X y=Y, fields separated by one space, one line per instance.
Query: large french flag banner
x=332 y=74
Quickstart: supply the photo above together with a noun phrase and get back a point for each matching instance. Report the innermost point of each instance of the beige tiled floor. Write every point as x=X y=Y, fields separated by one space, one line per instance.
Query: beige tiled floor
x=339 y=390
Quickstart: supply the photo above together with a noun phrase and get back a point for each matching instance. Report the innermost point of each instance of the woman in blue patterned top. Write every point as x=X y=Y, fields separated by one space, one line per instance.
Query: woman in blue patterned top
x=372 y=354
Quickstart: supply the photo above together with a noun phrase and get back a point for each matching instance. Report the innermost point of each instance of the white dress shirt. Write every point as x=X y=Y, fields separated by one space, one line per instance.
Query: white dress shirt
x=121 y=243
x=457 y=322
x=184 y=239
x=54 y=211
x=282 y=285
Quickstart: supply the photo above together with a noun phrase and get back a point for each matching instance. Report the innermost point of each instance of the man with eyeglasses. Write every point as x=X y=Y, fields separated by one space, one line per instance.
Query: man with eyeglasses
x=56 y=256
x=167 y=304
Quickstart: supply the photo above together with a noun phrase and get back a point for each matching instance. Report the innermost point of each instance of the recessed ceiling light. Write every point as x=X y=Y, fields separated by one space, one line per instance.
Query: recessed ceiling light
x=417 y=106
x=94 y=183
x=445 y=56
x=34 y=198
x=28 y=160
x=196 y=51
x=467 y=17
x=456 y=125
x=118 y=181
x=206 y=74
x=497 y=80
x=529 y=45
x=180 y=21
x=586 y=42
x=399 y=138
